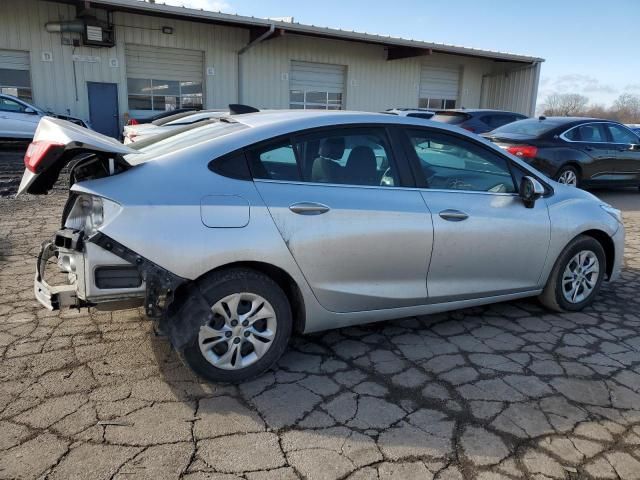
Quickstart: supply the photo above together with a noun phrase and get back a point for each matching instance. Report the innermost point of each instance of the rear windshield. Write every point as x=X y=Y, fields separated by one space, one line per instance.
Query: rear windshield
x=452 y=118
x=181 y=138
x=531 y=127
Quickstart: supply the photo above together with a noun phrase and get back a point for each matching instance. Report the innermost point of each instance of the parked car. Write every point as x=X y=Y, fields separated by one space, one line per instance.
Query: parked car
x=19 y=119
x=236 y=233
x=411 y=112
x=476 y=120
x=161 y=115
x=635 y=128
x=581 y=152
x=134 y=133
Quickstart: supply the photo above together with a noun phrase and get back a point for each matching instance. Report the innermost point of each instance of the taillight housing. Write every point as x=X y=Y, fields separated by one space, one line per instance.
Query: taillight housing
x=41 y=153
x=523 y=151
x=133 y=121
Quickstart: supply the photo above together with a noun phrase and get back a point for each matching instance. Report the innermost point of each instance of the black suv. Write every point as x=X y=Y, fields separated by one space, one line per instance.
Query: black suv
x=477 y=120
x=583 y=152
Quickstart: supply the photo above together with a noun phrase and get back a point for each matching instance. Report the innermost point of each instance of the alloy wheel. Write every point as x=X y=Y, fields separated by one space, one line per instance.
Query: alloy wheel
x=241 y=331
x=568 y=177
x=580 y=276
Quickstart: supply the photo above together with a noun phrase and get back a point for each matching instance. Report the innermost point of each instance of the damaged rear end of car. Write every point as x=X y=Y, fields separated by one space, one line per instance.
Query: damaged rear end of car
x=100 y=272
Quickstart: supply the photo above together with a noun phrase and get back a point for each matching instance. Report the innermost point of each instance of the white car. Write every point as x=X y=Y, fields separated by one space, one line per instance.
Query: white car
x=19 y=119
x=135 y=133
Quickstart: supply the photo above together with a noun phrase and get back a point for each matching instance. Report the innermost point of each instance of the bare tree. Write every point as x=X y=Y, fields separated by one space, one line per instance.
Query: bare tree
x=565 y=104
x=627 y=108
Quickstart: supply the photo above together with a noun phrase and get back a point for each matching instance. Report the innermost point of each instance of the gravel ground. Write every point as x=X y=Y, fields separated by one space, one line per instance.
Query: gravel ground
x=506 y=391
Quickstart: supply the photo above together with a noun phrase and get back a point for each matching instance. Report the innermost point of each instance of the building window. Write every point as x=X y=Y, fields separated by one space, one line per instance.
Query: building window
x=437 y=103
x=16 y=83
x=160 y=95
x=314 y=100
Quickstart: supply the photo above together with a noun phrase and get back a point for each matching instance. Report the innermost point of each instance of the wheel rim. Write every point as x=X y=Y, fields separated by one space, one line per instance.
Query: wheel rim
x=568 y=177
x=241 y=331
x=580 y=277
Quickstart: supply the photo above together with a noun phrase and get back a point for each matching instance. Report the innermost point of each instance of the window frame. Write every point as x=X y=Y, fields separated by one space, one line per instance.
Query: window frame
x=315 y=105
x=564 y=137
x=179 y=96
x=397 y=155
x=443 y=103
x=419 y=176
x=7 y=86
x=623 y=127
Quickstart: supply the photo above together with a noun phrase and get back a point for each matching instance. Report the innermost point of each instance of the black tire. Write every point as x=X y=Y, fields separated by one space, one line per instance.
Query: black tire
x=552 y=296
x=569 y=169
x=217 y=286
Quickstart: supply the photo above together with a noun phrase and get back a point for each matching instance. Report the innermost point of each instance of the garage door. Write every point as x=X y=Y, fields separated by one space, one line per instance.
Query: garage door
x=161 y=78
x=316 y=85
x=439 y=86
x=15 y=77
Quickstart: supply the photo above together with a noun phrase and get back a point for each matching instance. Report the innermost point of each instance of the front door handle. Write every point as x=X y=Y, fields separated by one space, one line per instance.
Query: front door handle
x=453 y=215
x=308 y=208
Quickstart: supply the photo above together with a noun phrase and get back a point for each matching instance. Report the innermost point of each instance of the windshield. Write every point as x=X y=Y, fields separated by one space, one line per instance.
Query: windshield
x=452 y=118
x=181 y=138
x=531 y=127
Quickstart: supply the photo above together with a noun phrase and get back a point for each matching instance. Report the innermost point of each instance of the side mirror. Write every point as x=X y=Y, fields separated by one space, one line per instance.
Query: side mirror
x=635 y=147
x=530 y=190
x=29 y=110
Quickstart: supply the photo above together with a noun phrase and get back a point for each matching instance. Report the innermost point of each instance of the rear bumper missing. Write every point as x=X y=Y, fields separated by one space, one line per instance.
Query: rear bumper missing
x=52 y=297
x=100 y=272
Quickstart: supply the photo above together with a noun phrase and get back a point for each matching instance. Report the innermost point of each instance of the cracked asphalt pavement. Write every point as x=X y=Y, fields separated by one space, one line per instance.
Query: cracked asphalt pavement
x=504 y=391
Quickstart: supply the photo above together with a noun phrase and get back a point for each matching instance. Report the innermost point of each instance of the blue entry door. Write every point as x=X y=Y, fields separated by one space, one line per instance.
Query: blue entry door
x=103 y=108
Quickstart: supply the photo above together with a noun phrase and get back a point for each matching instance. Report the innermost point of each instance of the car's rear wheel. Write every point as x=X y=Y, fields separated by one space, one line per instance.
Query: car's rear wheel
x=249 y=328
x=568 y=175
x=576 y=277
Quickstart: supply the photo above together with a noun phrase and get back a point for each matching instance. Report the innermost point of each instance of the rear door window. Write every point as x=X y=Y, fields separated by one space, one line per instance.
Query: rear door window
x=275 y=161
x=350 y=156
x=621 y=134
x=589 y=133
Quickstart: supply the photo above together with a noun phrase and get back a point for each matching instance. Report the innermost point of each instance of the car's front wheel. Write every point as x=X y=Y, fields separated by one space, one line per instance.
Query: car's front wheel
x=248 y=330
x=568 y=175
x=576 y=277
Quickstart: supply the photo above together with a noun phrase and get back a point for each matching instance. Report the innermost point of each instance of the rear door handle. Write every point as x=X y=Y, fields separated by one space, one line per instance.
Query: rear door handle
x=453 y=215
x=308 y=208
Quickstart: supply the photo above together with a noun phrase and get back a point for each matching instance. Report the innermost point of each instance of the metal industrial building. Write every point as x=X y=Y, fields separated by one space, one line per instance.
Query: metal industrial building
x=100 y=59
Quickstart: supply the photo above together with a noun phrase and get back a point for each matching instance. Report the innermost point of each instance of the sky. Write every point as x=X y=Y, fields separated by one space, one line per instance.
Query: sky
x=590 y=47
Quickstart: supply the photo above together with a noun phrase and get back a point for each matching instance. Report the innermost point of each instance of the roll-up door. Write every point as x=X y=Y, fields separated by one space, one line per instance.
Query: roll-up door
x=15 y=76
x=439 y=86
x=316 y=85
x=162 y=78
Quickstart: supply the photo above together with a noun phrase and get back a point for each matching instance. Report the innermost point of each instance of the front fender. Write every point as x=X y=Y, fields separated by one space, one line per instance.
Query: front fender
x=573 y=212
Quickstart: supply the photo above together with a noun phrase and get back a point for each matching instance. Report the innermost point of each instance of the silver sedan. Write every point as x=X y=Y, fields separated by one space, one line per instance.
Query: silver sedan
x=235 y=233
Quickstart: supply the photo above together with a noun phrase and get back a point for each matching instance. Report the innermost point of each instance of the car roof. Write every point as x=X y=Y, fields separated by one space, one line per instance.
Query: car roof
x=281 y=122
x=476 y=110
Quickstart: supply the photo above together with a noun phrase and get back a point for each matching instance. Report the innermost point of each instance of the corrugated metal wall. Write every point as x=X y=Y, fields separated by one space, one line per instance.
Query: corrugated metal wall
x=372 y=83
x=515 y=90
x=22 y=28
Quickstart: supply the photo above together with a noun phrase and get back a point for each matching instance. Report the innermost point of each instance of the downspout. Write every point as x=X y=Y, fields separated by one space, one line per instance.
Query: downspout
x=250 y=45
